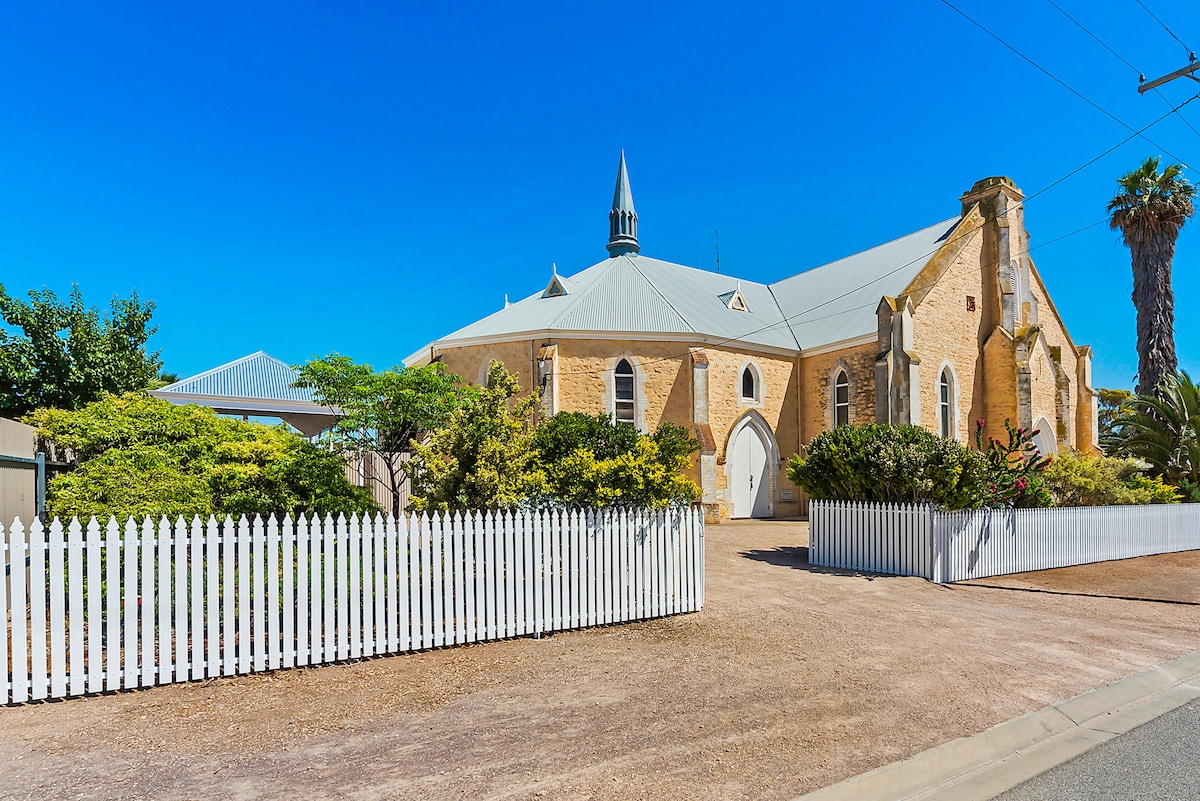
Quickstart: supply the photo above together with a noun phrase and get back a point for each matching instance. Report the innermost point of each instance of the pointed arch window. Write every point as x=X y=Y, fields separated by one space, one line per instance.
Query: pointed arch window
x=946 y=403
x=749 y=384
x=623 y=393
x=841 y=399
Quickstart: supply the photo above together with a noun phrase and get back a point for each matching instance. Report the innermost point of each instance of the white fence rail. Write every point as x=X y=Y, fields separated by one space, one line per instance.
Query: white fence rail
x=90 y=609
x=955 y=546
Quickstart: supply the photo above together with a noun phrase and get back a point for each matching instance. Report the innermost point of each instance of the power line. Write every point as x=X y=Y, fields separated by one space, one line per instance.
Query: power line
x=954 y=236
x=1057 y=80
x=1097 y=38
x=1141 y=75
x=1190 y=52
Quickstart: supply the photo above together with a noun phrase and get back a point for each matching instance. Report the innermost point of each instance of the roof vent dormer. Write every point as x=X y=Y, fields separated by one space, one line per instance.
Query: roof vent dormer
x=556 y=288
x=735 y=300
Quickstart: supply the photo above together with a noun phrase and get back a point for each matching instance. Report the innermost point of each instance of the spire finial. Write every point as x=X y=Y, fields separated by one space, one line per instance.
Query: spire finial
x=506 y=303
x=622 y=219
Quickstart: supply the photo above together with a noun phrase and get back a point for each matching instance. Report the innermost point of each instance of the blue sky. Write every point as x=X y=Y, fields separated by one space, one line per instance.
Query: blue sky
x=363 y=177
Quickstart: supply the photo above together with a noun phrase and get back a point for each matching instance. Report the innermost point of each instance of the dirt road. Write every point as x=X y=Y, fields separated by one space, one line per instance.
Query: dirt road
x=791 y=678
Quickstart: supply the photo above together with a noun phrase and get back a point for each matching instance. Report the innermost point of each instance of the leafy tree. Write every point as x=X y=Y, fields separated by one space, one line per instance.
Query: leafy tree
x=1109 y=422
x=1162 y=429
x=586 y=459
x=1149 y=209
x=64 y=355
x=490 y=455
x=481 y=456
x=1084 y=479
x=381 y=412
x=141 y=456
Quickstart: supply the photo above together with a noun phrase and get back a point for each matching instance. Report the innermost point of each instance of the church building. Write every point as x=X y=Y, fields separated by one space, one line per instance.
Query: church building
x=940 y=328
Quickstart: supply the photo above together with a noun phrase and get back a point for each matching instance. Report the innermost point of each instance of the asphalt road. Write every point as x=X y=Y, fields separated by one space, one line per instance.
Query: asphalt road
x=1159 y=761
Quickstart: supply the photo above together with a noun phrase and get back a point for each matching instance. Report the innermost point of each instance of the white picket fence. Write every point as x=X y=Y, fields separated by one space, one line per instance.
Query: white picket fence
x=90 y=609
x=920 y=540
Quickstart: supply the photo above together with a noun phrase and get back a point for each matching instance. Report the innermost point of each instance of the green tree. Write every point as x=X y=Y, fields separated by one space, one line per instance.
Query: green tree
x=141 y=456
x=1162 y=429
x=381 y=412
x=1149 y=209
x=480 y=458
x=64 y=355
x=589 y=460
x=1109 y=406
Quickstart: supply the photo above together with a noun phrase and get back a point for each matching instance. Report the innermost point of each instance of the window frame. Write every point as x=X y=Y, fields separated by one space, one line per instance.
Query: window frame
x=841 y=381
x=629 y=403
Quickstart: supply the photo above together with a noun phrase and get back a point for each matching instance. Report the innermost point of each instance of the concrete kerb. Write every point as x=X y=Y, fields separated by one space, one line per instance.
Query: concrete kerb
x=981 y=767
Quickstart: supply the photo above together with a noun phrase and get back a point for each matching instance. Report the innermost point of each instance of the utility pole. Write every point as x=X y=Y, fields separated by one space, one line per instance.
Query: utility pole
x=1183 y=72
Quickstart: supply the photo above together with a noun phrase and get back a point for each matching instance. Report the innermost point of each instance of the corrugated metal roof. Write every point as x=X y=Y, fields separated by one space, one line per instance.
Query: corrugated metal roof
x=837 y=301
x=258 y=375
x=637 y=294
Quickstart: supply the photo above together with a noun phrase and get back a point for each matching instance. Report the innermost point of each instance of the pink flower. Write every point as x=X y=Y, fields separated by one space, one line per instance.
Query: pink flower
x=979 y=422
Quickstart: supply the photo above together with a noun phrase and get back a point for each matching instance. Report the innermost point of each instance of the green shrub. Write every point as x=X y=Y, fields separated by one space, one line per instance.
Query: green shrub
x=585 y=459
x=1081 y=479
x=890 y=464
x=490 y=455
x=141 y=456
x=1015 y=469
x=910 y=464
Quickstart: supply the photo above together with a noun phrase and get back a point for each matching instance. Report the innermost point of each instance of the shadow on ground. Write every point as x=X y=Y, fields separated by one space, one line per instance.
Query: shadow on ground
x=1076 y=594
x=796 y=557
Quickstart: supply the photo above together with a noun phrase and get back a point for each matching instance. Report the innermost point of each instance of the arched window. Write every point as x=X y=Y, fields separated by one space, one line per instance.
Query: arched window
x=946 y=403
x=841 y=399
x=749 y=384
x=623 y=393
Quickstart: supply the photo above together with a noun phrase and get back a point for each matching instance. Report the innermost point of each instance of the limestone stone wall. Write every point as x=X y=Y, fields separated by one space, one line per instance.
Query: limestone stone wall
x=948 y=331
x=471 y=362
x=1056 y=334
x=1043 y=394
x=817 y=387
x=777 y=404
x=662 y=378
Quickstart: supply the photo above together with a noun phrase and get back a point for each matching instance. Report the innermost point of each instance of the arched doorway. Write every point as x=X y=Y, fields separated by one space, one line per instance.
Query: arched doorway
x=750 y=462
x=1045 y=440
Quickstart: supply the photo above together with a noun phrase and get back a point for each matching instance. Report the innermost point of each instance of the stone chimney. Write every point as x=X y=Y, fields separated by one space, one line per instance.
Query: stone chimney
x=1006 y=264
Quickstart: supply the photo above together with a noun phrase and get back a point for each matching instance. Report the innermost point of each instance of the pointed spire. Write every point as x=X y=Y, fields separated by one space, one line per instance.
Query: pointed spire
x=622 y=219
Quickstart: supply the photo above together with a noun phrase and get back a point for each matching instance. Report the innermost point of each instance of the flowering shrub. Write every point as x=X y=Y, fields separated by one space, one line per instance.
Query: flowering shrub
x=1015 y=469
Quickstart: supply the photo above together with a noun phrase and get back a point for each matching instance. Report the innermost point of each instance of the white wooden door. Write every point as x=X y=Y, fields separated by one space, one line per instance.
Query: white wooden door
x=749 y=477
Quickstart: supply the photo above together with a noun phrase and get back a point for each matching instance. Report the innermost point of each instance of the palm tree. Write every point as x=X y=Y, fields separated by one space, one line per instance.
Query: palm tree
x=1149 y=209
x=1163 y=430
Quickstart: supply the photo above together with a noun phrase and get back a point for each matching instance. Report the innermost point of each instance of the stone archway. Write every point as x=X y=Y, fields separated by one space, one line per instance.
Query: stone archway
x=751 y=467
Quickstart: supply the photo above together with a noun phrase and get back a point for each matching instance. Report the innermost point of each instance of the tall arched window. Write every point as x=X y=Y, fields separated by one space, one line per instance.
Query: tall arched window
x=749 y=384
x=946 y=403
x=841 y=399
x=623 y=393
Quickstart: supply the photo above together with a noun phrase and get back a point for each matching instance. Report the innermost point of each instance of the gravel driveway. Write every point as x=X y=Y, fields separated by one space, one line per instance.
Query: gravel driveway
x=791 y=678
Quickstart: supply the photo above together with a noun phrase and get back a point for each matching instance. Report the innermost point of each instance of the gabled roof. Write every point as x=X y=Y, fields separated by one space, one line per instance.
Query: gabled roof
x=257 y=385
x=636 y=294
